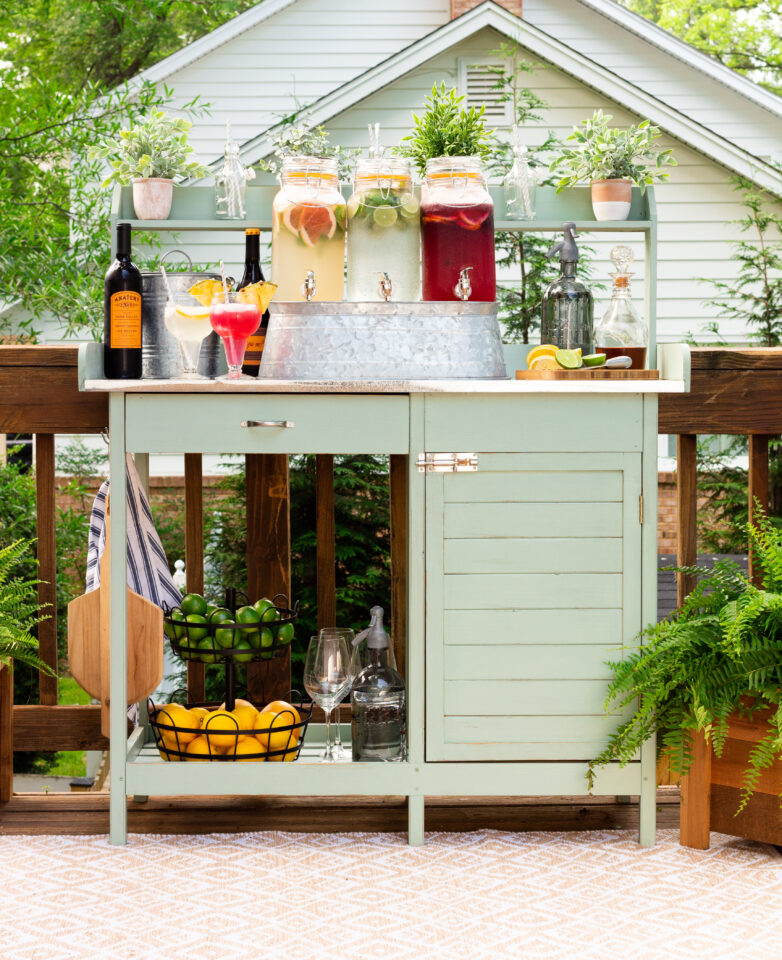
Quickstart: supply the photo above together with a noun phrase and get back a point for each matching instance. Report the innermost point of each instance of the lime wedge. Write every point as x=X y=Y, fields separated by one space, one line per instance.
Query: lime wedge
x=384 y=216
x=410 y=209
x=569 y=359
x=594 y=360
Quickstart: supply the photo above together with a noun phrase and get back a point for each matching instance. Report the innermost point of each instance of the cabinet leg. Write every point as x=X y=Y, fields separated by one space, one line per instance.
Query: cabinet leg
x=647 y=806
x=415 y=821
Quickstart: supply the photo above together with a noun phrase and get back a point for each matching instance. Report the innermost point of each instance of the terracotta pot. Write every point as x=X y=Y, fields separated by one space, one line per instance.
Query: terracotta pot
x=611 y=199
x=152 y=197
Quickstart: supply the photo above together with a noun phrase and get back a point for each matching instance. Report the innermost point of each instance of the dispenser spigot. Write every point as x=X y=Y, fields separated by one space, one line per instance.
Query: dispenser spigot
x=463 y=288
x=308 y=287
x=385 y=286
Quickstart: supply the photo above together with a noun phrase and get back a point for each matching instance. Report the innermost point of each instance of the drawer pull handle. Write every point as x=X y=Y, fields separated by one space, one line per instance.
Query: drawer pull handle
x=285 y=424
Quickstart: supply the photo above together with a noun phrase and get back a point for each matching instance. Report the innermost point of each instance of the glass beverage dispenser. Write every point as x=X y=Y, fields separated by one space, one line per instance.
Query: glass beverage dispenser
x=384 y=235
x=621 y=332
x=457 y=231
x=308 y=231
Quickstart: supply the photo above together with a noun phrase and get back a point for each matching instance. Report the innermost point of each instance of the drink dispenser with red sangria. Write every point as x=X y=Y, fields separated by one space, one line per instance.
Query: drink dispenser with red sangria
x=457 y=231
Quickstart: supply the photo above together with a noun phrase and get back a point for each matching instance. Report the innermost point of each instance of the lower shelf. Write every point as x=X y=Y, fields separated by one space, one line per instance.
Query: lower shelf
x=148 y=775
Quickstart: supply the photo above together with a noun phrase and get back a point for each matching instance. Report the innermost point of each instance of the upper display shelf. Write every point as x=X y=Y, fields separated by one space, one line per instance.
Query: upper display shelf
x=193 y=209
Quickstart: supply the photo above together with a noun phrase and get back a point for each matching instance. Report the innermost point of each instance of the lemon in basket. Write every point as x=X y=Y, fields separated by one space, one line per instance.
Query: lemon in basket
x=187 y=724
x=198 y=749
x=247 y=749
x=271 y=736
x=221 y=728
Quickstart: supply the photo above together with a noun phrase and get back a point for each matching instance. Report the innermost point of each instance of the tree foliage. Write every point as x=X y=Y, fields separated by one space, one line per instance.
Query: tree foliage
x=745 y=35
x=63 y=88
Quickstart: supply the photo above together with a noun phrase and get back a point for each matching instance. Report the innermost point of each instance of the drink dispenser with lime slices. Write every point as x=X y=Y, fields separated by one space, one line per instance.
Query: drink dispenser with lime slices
x=308 y=231
x=384 y=238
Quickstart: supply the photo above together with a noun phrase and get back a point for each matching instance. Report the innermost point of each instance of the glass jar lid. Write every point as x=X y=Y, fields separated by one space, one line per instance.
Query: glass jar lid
x=298 y=169
x=439 y=169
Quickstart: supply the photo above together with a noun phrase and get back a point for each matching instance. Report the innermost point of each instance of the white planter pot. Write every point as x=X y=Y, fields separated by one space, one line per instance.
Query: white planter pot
x=152 y=198
x=611 y=199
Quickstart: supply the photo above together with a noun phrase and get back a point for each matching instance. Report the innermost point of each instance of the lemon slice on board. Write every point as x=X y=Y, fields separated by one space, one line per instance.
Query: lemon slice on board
x=544 y=350
x=544 y=362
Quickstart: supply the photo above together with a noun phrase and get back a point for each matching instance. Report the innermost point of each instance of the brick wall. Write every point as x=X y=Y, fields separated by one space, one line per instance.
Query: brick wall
x=458 y=7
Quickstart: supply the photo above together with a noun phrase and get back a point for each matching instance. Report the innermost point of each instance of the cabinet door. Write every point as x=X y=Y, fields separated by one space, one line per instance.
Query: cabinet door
x=533 y=570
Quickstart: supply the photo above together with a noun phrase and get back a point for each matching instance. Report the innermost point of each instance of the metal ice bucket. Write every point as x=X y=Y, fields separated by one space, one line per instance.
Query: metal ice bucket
x=160 y=359
x=382 y=341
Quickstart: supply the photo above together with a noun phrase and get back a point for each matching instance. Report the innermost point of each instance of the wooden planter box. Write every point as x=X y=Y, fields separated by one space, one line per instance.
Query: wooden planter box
x=712 y=788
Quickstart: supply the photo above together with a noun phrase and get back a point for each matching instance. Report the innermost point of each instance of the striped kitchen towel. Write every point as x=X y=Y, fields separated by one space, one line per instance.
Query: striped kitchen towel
x=148 y=570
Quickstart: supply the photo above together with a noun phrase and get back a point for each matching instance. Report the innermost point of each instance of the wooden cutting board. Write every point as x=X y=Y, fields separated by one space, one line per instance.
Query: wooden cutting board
x=597 y=374
x=89 y=643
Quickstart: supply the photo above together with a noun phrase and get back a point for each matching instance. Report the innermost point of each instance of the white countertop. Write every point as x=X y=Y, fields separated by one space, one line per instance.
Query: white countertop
x=385 y=386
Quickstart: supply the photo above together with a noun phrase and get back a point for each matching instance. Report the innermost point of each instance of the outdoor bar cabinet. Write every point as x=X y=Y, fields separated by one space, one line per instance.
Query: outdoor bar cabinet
x=523 y=576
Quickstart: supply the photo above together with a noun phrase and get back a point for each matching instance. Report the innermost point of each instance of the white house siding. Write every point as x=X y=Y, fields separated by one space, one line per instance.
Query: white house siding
x=694 y=209
x=675 y=82
x=304 y=51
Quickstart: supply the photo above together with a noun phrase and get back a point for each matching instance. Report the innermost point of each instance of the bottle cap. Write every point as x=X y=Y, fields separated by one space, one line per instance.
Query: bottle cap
x=377 y=638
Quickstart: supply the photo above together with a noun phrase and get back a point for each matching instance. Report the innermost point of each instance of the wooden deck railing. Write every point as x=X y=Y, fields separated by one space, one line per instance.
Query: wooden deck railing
x=39 y=395
x=733 y=391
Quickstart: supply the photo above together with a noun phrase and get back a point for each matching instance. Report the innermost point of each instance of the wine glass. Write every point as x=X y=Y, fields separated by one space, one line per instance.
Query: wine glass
x=188 y=320
x=236 y=319
x=327 y=679
x=339 y=751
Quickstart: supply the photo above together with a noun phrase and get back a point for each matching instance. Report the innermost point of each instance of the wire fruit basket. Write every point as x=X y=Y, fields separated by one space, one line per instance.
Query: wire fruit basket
x=207 y=732
x=233 y=633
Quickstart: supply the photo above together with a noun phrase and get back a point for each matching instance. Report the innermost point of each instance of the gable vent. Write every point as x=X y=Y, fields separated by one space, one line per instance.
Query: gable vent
x=479 y=85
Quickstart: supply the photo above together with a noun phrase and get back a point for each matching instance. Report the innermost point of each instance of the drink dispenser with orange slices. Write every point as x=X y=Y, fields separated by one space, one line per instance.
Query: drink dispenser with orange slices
x=308 y=231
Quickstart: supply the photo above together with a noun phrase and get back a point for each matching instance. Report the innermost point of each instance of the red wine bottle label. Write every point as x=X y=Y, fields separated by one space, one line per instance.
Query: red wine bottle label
x=125 y=315
x=252 y=355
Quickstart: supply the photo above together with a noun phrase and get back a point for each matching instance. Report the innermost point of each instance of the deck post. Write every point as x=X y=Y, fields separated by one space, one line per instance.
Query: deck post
x=6 y=732
x=118 y=593
x=687 y=510
x=325 y=547
x=47 y=563
x=194 y=558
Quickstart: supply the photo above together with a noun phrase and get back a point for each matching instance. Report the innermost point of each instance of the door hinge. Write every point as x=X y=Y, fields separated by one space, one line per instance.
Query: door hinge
x=641 y=508
x=447 y=462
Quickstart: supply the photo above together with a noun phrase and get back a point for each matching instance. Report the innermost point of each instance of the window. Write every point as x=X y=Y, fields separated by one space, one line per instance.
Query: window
x=479 y=85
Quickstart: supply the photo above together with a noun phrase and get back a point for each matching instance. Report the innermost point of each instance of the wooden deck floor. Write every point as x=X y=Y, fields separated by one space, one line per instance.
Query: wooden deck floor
x=88 y=813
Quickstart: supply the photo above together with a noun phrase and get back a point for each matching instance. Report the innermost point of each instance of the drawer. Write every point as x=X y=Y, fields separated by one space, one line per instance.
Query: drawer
x=535 y=422
x=213 y=424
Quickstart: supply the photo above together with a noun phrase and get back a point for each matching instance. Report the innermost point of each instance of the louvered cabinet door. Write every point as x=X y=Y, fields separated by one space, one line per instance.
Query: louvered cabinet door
x=533 y=573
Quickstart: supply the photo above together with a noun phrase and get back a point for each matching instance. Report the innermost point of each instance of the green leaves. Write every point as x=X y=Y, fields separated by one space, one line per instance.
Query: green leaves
x=697 y=667
x=19 y=610
x=155 y=147
x=446 y=129
x=610 y=153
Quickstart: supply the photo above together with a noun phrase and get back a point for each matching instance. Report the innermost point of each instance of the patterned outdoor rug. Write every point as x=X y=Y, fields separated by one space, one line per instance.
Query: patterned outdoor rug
x=590 y=896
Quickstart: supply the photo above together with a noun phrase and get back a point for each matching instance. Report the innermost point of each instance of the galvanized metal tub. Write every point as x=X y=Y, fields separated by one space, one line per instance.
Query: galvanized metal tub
x=382 y=341
x=160 y=359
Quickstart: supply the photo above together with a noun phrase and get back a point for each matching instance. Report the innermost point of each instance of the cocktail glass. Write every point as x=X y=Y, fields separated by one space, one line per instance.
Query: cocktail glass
x=235 y=320
x=187 y=320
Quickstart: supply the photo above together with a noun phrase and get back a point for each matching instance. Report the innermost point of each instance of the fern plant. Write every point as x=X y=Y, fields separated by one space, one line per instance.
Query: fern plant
x=718 y=654
x=19 y=610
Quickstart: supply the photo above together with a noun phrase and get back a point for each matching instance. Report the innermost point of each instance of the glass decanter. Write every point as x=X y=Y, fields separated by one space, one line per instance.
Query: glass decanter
x=231 y=182
x=521 y=183
x=621 y=332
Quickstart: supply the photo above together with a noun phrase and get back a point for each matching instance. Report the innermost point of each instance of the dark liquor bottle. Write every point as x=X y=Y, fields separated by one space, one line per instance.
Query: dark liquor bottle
x=122 y=313
x=253 y=274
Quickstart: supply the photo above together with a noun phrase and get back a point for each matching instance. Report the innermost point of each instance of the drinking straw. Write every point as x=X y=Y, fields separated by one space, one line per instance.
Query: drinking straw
x=225 y=285
x=167 y=283
x=375 y=150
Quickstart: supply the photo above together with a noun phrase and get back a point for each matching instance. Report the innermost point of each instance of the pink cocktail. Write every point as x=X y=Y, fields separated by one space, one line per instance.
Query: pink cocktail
x=456 y=238
x=235 y=321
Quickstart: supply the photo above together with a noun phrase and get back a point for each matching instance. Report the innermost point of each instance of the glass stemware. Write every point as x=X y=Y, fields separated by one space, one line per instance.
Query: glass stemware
x=339 y=751
x=327 y=679
x=235 y=320
x=189 y=321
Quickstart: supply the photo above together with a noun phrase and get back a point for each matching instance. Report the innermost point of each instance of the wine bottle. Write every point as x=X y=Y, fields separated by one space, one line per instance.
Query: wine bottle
x=253 y=274
x=122 y=313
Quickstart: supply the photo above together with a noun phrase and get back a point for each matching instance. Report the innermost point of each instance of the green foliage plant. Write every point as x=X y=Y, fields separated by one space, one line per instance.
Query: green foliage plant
x=601 y=152
x=446 y=129
x=719 y=653
x=19 y=609
x=295 y=135
x=754 y=297
x=156 y=146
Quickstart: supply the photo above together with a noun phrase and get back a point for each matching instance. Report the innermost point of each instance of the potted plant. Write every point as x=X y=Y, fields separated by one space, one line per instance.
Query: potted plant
x=150 y=155
x=612 y=160
x=19 y=610
x=716 y=660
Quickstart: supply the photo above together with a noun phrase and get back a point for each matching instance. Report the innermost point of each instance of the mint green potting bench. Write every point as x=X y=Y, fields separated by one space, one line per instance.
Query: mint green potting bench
x=524 y=576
